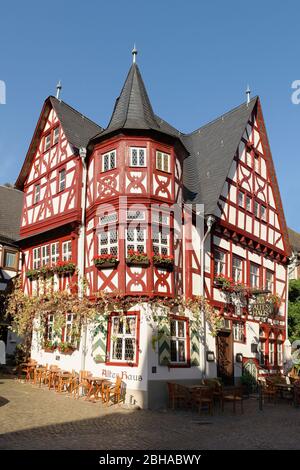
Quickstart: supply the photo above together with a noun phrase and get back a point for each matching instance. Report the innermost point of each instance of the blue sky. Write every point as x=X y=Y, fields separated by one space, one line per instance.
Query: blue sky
x=196 y=59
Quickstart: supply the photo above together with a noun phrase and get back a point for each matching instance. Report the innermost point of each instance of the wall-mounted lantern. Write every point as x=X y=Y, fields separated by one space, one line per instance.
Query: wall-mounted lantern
x=210 y=356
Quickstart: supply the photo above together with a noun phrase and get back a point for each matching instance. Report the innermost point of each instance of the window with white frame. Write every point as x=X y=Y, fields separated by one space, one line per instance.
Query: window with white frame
x=67 y=250
x=220 y=263
x=254 y=275
x=108 y=242
x=109 y=160
x=163 y=161
x=137 y=156
x=271 y=353
x=269 y=280
x=55 y=135
x=36 y=258
x=54 y=253
x=237 y=269
x=47 y=142
x=50 y=327
x=262 y=353
x=161 y=240
x=279 y=351
x=248 y=203
x=178 y=341
x=263 y=212
x=67 y=336
x=45 y=254
x=37 y=193
x=62 y=180
x=136 y=239
x=135 y=214
x=241 y=199
x=160 y=217
x=123 y=338
x=238 y=331
x=108 y=218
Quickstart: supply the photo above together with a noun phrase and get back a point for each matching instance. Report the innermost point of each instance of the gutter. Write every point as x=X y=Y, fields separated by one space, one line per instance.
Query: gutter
x=209 y=222
x=81 y=248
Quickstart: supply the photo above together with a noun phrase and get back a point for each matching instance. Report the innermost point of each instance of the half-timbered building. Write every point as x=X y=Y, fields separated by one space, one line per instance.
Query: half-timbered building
x=104 y=204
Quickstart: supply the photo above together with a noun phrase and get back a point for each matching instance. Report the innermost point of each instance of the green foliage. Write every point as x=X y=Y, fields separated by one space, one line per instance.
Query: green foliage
x=294 y=310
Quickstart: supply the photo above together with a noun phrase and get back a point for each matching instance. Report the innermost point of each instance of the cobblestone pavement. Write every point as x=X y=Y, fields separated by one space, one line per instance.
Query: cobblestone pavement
x=34 y=418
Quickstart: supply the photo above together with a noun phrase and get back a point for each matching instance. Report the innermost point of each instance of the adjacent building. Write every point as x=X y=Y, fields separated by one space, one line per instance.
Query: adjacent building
x=173 y=215
x=294 y=267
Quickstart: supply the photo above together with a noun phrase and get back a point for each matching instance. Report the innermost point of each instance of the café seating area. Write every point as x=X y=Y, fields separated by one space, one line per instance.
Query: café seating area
x=82 y=384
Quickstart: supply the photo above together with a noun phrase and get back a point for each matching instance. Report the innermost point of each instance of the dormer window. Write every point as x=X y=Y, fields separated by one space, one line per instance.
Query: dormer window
x=109 y=160
x=137 y=156
x=37 y=193
x=47 y=143
x=163 y=161
x=62 y=180
x=55 y=135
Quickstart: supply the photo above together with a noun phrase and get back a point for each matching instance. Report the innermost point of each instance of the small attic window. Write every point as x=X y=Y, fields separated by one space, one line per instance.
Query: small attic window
x=47 y=142
x=55 y=135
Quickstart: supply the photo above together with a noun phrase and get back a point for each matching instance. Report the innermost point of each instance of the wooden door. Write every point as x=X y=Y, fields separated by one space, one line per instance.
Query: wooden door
x=225 y=366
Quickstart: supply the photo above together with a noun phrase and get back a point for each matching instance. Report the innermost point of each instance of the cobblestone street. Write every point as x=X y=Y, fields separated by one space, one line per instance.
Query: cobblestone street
x=33 y=418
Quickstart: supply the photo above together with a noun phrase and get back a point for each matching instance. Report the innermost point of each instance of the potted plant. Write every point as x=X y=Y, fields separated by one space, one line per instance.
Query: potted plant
x=66 y=348
x=163 y=261
x=49 y=346
x=32 y=274
x=46 y=271
x=135 y=258
x=105 y=261
x=224 y=283
x=64 y=267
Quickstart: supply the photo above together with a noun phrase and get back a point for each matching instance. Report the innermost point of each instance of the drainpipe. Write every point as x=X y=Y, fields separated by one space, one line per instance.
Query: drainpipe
x=209 y=222
x=81 y=247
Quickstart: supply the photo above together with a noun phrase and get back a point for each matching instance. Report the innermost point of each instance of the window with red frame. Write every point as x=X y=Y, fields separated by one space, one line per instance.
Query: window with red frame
x=179 y=341
x=237 y=269
x=123 y=338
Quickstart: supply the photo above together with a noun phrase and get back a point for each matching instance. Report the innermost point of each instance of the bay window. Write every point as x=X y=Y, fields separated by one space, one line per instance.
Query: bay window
x=163 y=161
x=36 y=258
x=109 y=160
x=108 y=242
x=123 y=338
x=54 y=253
x=178 y=341
x=160 y=241
x=67 y=250
x=45 y=254
x=136 y=239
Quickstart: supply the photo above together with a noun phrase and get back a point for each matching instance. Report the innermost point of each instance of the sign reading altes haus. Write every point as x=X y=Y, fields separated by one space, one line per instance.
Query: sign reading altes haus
x=74 y=167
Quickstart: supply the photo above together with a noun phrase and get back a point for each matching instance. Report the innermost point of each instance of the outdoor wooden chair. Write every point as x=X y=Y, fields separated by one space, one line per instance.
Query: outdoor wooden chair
x=203 y=397
x=233 y=395
x=178 y=395
x=216 y=387
x=113 y=391
x=81 y=383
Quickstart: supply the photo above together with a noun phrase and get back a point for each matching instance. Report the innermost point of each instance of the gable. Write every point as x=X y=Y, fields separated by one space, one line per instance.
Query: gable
x=250 y=198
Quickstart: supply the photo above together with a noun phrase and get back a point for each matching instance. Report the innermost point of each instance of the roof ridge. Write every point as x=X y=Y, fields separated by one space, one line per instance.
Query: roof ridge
x=221 y=116
x=75 y=110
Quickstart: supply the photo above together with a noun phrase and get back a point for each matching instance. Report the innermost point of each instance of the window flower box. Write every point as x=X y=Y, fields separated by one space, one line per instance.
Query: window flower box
x=49 y=346
x=163 y=261
x=135 y=258
x=46 y=271
x=105 y=261
x=66 y=348
x=64 y=267
x=32 y=274
x=223 y=283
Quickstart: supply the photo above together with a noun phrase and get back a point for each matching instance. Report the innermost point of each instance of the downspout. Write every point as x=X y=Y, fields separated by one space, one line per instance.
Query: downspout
x=209 y=222
x=81 y=248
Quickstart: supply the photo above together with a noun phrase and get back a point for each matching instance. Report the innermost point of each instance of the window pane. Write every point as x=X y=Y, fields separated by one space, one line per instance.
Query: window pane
x=181 y=351
x=181 y=333
x=129 y=349
x=173 y=328
x=10 y=260
x=117 y=349
x=173 y=351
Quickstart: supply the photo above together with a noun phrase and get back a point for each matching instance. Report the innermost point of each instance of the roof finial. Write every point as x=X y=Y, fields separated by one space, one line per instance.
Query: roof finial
x=58 y=89
x=134 y=54
x=248 y=92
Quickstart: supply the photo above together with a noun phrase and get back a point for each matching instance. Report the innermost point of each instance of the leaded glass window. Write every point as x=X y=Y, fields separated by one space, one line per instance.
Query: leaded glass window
x=109 y=160
x=137 y=156
x=178 y=341
x=123 y=342
x=108 y=242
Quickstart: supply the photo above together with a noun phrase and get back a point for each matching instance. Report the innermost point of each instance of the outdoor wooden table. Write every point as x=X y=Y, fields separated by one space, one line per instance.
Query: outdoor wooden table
x=62 y=378
x=95 y=388
x=38 y=374
x=28 y=367
x=52 y=377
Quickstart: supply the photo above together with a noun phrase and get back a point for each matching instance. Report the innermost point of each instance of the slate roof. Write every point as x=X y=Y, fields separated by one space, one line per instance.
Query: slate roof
x=294 y=238
x=77 y=128
x=211 y=149
x=11 y=203
x=133 y=109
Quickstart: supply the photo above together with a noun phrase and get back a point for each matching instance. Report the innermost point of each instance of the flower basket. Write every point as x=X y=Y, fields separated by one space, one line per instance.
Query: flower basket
x=66 y=348
x=64 y=267
x=223 y=283
x=105 y=261
x=135 y=258
x=32 y=274
x=163 y=261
